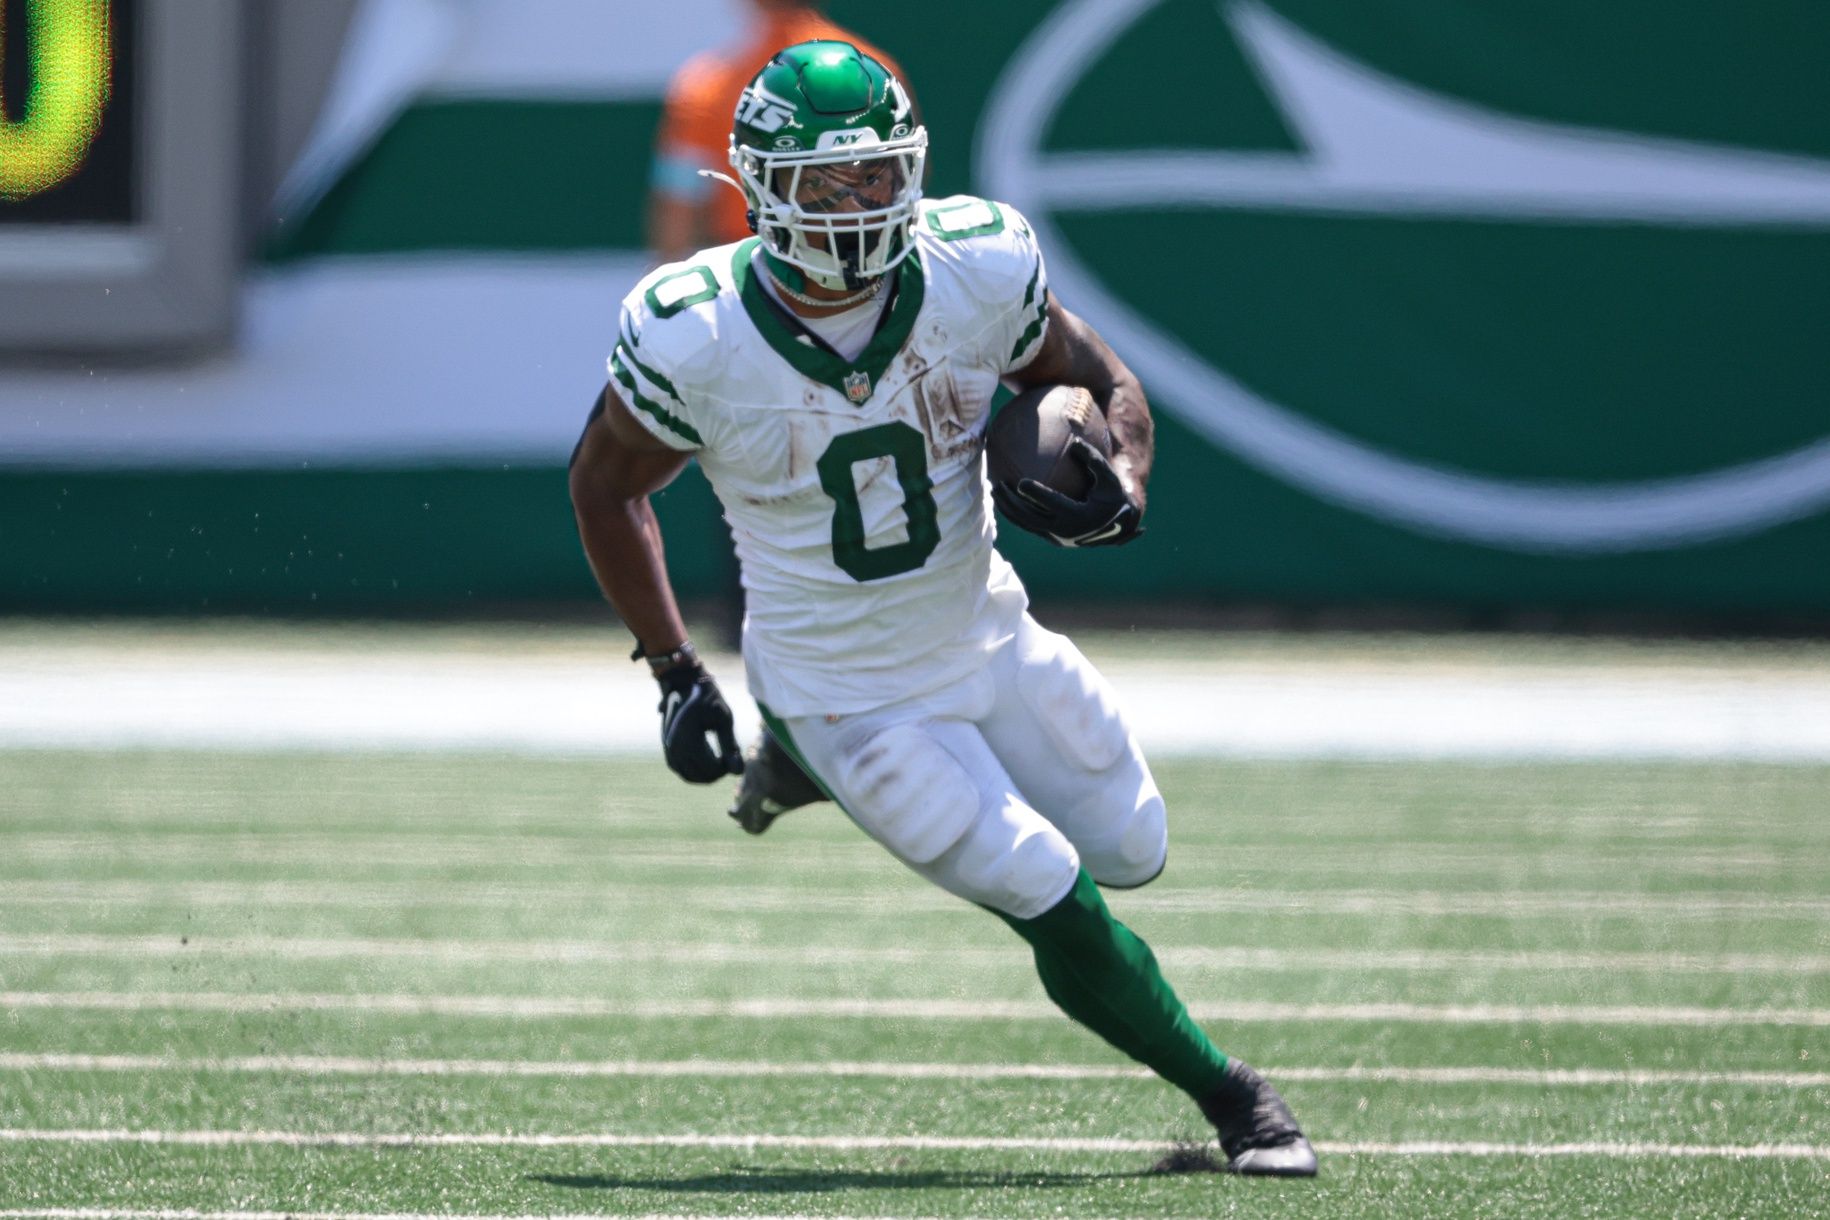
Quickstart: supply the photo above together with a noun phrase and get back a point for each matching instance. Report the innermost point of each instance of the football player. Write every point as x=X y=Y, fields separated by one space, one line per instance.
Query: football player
x=685 y=208
x=833 y=376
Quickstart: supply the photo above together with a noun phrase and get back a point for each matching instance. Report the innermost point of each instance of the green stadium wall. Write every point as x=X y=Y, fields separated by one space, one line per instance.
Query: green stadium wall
x=1428 y=377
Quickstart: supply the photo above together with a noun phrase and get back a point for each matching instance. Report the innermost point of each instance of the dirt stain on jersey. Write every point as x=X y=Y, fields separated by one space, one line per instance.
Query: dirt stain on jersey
x=796 y=453
x=946 y=418
x=873 y=470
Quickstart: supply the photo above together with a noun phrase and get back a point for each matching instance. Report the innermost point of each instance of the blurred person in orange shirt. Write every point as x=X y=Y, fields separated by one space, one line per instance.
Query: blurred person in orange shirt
x=687 y=212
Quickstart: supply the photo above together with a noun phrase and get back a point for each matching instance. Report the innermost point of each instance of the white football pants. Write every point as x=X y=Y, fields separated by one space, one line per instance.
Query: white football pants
x=1002 y=786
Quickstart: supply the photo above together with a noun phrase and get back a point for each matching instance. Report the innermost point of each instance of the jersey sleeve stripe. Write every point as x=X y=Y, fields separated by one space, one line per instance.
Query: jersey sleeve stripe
x=665 y=386
x=667 y=419
x=1041 y=319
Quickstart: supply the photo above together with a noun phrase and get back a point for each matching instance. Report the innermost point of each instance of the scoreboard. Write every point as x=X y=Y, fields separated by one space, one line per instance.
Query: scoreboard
x=66 y=112
x=120 y=228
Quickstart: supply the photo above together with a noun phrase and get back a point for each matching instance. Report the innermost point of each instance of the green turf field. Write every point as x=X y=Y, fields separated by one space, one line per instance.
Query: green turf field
x=449 y=984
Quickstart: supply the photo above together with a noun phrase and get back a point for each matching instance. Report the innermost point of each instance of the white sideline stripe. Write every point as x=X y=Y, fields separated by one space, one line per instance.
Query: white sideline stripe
x=400 y=699
x=1690 y=904
x=904 y=1009
x=1229 y=957
x=351 y=1139
x=319 y=1065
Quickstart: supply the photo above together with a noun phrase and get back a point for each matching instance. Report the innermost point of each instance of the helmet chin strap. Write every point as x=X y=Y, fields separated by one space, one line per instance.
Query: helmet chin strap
x=799 y=277
x=786 y=274
x=792 y=280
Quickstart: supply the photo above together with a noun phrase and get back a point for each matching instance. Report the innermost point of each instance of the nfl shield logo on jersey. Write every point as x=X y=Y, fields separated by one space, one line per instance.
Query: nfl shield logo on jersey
x=858 y=386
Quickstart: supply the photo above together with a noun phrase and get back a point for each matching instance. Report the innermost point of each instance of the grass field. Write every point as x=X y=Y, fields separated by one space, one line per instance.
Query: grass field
x=501 y=986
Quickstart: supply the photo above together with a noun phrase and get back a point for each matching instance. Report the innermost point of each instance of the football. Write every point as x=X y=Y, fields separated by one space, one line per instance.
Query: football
x=1030 y=435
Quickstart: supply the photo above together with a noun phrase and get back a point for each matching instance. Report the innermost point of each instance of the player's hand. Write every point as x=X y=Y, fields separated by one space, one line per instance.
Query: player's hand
x=1108 y=516
x=692 y=710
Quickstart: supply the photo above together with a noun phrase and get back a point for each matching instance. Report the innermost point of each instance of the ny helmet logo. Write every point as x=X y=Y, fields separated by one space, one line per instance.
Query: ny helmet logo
x=847 y=139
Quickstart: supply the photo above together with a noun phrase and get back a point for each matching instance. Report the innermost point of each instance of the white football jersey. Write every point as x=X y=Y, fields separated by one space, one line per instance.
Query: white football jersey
x=853 y=488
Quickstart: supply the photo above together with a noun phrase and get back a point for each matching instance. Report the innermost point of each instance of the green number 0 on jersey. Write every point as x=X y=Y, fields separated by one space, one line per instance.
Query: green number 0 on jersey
x=908 y=450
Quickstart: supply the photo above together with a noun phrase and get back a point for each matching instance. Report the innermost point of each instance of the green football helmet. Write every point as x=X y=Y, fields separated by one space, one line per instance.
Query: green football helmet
x=829 y=158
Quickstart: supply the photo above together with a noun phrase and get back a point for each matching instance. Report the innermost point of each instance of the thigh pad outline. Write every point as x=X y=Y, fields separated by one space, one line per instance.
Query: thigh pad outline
x=1140 y=850
x=1075 y=705
x=905 y=788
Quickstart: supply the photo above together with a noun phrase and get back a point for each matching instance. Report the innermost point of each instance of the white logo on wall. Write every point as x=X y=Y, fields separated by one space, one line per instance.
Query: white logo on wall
x=1375 y=145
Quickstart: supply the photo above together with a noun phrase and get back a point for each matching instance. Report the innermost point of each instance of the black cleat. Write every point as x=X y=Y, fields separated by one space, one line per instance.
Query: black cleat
x=1258 y=1133
x=772 y=784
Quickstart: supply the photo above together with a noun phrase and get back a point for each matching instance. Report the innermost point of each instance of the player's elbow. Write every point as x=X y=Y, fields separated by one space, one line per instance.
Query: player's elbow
x=596 y=499
x=606 y=519
x=592 y=496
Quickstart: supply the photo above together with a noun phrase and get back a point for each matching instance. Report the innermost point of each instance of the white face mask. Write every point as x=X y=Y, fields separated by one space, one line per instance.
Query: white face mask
x=841 y=216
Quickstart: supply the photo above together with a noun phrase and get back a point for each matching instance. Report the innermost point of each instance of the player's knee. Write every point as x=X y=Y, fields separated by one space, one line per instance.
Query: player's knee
x=1076 y=707
x=1023 y=878
x=1139 y=851
x=908 y=791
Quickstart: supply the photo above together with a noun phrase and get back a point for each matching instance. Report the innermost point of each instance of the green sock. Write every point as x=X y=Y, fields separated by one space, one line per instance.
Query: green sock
x=1105 y=977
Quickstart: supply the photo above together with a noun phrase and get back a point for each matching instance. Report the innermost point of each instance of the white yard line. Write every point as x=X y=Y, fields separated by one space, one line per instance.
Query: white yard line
x=1691 y=904
x=788 y=1008
x=1553 y=1078
x=33 y=804
x=319 y=1065
x=600 y=851
x=191 y=1213
x=844 y=1143
x=1229 y=957
x=1616 y=1150
x=900 y=899
x=292 y=699
x=848 y=862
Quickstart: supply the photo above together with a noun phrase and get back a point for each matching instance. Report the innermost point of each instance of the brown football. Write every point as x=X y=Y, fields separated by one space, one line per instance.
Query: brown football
x=1030 y=435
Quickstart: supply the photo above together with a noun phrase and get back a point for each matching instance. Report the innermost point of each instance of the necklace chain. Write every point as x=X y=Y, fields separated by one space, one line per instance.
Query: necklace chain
x=862 y=295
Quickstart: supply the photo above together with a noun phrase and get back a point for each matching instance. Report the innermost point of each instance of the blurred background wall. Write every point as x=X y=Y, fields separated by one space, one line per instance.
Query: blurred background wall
x=1473 y=307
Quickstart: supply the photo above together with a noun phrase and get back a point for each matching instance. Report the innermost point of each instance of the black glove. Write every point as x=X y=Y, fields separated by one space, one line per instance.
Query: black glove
x=1107 y=517
x=691 y=710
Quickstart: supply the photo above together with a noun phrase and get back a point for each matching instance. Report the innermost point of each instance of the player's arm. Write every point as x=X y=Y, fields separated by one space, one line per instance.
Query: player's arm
x=617 y=465
x=1072 y=353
